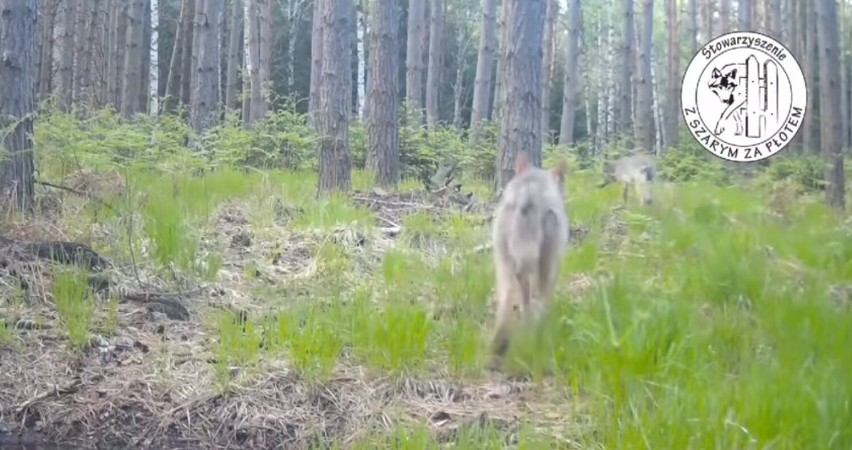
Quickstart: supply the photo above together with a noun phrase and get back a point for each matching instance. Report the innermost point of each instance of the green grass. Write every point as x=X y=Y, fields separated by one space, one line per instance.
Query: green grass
x=708 y=323
x=691 y=337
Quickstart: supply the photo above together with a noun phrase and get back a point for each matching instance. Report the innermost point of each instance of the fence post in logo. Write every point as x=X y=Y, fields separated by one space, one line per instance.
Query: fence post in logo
x=744 y=96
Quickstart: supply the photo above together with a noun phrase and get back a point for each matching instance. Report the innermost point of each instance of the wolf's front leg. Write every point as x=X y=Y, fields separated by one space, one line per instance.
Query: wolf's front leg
x=738 y=119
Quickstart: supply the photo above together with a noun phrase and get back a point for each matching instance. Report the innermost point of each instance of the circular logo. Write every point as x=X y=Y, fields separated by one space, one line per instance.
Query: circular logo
x=744 y=96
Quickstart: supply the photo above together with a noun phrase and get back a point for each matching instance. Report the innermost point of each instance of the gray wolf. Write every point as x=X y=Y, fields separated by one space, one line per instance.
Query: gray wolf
x=530 y=235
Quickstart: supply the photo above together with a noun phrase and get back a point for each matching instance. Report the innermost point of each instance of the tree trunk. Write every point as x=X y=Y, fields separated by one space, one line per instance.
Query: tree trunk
x=317 y=35
x=484 y=63
x=132 y=79
x=692 y=13
x=672 y=132
x=354 y=60
x=745 y=11
x=707 y=14
x=101 y=48
x=249 y=46
x=187 y=57
x=264 y=63
x=626 y=109
x=204 y=99
x=45 y=66
x=234 y=42
x=154 y=64
x=433 y=74
x=66 y=67
x=332 y=115
x=83 y=54
x=256 y=106
x=361 y=62
x=644 y=90
x=776 y=24
x=569 y=89
x=383 y=121
x=499 y=98
x=365 y=50
x=463 y=43
x=608 y=83
x=414 y=55
x=547 y=68
x=520 y=125
x=144 y=98
x=725 y=16
x=811 y=70
x=829 y=67
x=173 y=83
x=18 y=25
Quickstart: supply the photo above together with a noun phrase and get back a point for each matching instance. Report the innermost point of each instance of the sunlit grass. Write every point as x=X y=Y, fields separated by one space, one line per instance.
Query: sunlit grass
x=709 y=321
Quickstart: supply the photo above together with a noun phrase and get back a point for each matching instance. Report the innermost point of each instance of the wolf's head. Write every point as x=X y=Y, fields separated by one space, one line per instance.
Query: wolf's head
x=608 y=174
x=723 y=84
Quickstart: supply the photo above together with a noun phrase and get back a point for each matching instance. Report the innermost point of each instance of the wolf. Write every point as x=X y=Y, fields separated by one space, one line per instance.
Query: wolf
x=637 y=170
x=725 y=83
x=530 y=235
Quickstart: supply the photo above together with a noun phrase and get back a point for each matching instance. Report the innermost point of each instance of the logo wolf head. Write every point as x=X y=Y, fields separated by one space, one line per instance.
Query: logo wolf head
x=724 y=82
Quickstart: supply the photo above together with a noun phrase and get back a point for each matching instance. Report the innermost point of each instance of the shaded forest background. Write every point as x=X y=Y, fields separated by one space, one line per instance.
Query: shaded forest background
x=610 y=71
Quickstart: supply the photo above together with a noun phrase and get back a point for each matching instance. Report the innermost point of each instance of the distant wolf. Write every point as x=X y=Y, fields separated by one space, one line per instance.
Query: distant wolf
x=725 y=83
x=637 y=170
x=530 y=235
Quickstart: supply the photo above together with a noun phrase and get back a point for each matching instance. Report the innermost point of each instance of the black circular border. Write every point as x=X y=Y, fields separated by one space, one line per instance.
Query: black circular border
x=698 y=52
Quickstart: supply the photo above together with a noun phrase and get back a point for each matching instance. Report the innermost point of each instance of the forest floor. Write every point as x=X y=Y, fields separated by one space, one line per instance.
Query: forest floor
x=236 y=311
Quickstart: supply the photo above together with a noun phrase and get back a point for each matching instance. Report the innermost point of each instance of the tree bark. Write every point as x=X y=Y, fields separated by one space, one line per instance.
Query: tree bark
x=745 y=12
x=484 y=63
x=66 y=67
x=569 y=89
x=173 y=82
x=725 y=16
x=811 y=71
x=45 y=66
x=317 y=35
x=133 y=59
x=626 y=110
x=204 y=100
x=154 y=62
x=433 y=74
x=83 y=54
x=256 y=107
x=186 y=57
x=692 y=13
x=264 y=65
x=234 y=42
x=644 y=102
x=520 y=125
x=547 y=68
x=18 y=25
x=414 y=55
x=672 y=132
x=829 y=67
x=383 y=120
x=333 y=114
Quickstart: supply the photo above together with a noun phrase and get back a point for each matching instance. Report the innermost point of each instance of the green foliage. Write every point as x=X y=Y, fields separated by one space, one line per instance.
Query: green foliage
x=706 y=321
x=75 y=304
x=690 y=162
x=806 y=173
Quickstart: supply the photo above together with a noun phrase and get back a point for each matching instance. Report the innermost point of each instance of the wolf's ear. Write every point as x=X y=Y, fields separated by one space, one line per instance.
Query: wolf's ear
x=522 y=163
x=716 y=73
x=559 y=170
x=732 y=74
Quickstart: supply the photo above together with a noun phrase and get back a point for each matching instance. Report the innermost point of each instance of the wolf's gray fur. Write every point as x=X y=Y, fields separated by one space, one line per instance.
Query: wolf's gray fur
x=530 y=236
x=638 y=171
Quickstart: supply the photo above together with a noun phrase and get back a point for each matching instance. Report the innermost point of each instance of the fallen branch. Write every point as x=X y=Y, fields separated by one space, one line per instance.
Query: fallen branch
x=69 y=388
x=75 y=191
